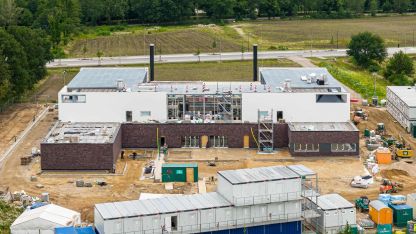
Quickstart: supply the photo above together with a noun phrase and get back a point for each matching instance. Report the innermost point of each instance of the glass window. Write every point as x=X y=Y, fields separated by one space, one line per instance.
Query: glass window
x=306 y=147
x=73 y=98
x=145 y=113
x=343 y=147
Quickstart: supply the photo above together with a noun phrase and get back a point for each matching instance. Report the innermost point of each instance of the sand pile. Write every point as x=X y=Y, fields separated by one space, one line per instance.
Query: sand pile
x=403 y=166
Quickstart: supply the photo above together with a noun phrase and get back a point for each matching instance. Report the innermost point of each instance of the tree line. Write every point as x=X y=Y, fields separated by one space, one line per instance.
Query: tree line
x=24 y=52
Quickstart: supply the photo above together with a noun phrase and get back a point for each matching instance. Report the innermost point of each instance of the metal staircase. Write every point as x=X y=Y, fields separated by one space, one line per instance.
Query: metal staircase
x=265 y=131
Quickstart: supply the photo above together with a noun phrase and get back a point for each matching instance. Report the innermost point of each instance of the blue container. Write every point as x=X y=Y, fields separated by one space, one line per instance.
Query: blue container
x=384 y=229
x=74 y=230
x=278 y=228
x=385 y=198
x=394 y=198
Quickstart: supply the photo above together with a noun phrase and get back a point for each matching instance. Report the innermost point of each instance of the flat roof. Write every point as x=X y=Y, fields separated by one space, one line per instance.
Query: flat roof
x=333 y=202
x=406 y=93
x=180 y=165
x=256 y=175
x=322 y=127
x=164 y=205
x=301 y=170
x=273 y=80
x=107 y=77
x=68 y=132
x=298 y=77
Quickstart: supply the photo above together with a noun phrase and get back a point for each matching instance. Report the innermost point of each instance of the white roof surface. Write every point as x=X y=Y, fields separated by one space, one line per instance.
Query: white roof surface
x=172 y=204
x=406 y=93
x=145 y=196
x=46 y=218
x=260 y=174
x=301 y=170
x=333 y=202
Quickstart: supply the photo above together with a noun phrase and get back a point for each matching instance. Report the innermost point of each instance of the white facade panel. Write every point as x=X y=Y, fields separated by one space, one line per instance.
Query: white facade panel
x=296 y=107
x=112 y=106
x=265 y=192
x=333 y=220
x=225 y=188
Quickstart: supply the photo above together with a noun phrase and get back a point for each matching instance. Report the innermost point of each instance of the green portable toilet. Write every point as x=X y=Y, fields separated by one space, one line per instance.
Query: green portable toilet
x=401 y=214
x=384 y=229
x=186 y=172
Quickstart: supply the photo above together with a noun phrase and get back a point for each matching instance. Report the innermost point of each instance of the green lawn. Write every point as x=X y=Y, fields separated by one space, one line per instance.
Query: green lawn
x=358 y=79
x=269 y=34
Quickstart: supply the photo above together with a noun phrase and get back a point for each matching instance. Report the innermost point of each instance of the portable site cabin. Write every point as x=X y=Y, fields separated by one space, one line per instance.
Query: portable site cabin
x=335 y=212
x=401 y=214
x=259 y=185
x=187 y=172
x=44 y=220
x=380 y=213
x=187 y=214
x=411 y=201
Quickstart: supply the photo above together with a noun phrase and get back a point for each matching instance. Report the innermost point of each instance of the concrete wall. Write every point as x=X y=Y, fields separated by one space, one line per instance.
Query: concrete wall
x=296 y=107
x=80 y=156
x=136 y=135
x=324 y=139
x=112 y=106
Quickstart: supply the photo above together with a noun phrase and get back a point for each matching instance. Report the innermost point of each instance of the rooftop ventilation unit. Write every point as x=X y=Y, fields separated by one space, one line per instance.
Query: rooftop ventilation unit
x=120 y=85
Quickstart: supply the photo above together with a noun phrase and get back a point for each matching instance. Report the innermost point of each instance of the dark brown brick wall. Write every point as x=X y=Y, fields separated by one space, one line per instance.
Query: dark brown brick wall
x=324 y=139
x=76 y=156
x=144 y=135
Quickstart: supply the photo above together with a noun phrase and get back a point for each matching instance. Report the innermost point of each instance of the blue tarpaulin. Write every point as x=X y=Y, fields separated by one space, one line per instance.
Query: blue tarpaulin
x=74 y=230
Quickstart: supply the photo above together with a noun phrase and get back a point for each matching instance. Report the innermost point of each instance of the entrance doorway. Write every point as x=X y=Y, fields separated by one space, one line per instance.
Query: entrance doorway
x=162 y=141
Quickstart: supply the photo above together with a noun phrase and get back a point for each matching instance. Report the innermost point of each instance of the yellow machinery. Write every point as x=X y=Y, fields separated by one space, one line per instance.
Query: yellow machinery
x=401 y=151
x=404 y=153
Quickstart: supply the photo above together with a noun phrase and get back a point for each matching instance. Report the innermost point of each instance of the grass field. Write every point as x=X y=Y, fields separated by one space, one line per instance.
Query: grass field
x=214 y=71
x=360 y=80
x=269 y=34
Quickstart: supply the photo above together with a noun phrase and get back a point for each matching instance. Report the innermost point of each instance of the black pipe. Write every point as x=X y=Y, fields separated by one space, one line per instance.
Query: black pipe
x=152 y=62
x=255 y=67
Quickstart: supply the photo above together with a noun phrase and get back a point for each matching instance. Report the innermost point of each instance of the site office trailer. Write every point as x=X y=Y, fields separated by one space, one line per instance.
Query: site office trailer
x=260 y=192
x=187 y=222
x=332 y=221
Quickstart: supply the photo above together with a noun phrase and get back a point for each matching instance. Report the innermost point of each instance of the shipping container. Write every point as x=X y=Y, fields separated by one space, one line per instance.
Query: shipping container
x=380 y=213
x=411 y=201
x=187 y=172
x=384 y=229
x=401 y=214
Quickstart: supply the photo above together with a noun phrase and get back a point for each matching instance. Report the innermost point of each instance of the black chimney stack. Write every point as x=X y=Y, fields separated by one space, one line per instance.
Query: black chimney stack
x=152 y=62
x=255 y=67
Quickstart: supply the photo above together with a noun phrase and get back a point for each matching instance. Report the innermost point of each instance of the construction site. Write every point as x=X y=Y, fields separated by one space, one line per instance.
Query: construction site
x=192 y=136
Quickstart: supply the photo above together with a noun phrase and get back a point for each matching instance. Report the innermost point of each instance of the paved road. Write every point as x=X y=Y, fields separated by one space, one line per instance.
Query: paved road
x=176 y=58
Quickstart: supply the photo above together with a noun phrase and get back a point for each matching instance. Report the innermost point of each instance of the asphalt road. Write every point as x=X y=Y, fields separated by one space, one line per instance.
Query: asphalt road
x=176 y=58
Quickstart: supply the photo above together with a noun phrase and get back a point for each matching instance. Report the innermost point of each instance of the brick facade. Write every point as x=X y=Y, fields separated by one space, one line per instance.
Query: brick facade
x=80 y=156
x=324 y=139
x=144 y=135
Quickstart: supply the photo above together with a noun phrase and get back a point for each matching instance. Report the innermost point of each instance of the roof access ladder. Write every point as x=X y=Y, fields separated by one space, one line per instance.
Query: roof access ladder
x=265 y=131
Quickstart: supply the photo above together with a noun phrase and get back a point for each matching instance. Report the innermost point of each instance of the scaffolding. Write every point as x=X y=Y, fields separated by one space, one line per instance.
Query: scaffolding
x=205 y=107
x=265 y=131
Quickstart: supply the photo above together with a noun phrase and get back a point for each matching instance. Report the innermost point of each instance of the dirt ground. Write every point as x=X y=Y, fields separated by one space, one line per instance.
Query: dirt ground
x=14 y=121
x=334 y=173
